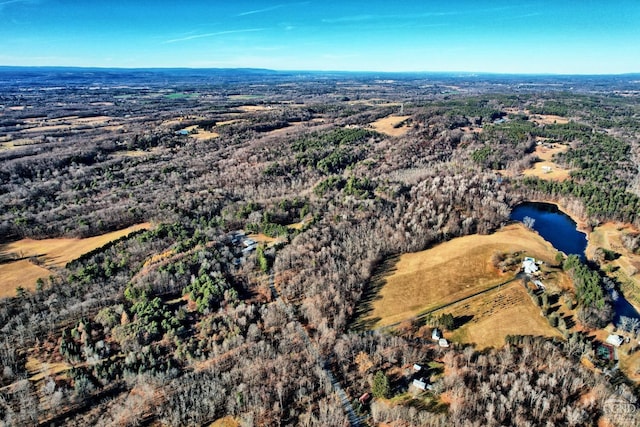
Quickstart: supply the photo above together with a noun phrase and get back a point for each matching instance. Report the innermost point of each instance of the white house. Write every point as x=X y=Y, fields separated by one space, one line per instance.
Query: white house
x=420 y=385
x=442 y=342
x=436 y=334
x=529 y=265
x=615 y=340
x=417 y=367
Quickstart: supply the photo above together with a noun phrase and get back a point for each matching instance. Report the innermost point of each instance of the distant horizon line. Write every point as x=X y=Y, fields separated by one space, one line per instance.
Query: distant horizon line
x=272 y=70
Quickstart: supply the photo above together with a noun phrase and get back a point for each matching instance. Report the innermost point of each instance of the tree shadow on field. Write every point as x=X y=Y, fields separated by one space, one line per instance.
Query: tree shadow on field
x=462 y=320
x=371 y=293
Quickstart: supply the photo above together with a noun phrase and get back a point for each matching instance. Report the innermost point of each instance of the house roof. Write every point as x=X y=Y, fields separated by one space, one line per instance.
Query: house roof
x=615 y=340
x=419 y=384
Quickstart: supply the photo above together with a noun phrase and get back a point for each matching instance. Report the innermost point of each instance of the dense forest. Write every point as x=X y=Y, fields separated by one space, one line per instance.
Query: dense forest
x=185 y=323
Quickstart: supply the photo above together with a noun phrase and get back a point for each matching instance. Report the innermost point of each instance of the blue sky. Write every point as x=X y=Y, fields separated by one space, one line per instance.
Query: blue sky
x=579 y=36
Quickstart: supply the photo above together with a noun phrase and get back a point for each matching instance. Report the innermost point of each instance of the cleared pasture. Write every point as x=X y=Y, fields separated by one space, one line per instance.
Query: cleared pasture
x=450 y=271
x=18 y=267
x=496 y=314
x=391 y=125
x=546 y=168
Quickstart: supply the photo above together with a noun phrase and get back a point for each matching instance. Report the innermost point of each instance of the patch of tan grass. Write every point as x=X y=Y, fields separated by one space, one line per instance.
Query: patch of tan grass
x=225 y=422
x=496 y=314
x=471 y=129
x=630 y=364
x=627 y=267
x=451 y=271
x=46 y=128
x=201 y=133
x=301 y=224
x=53 y=253
x=37 y=370
x=548 y=119
x=251 y=108
x=20 y=273
x=554 y=172
x=265 y=240
x=390 y=125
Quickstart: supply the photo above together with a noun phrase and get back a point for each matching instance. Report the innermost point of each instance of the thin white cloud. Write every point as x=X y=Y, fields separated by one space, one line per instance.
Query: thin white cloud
x=266 y=9
x=218 y=33
x=361 y=18
x=5 y=3
x=270 y=8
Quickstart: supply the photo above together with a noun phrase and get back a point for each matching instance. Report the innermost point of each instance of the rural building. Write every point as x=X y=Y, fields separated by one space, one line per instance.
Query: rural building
x=419 y=384
x=606 y=352
x=250 y=248
x=417 y=368
x=436 y=334
x=442 y=342
x=248 y=242
x=546 y=169
x=529 y=266
x=365 y=398
x=539 y=285
x=615 y=340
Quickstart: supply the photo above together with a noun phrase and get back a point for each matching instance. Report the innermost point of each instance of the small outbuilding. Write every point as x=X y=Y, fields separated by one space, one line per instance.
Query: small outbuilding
x=365 y=398
x=419 y=384
x=442 y=342
x=436 y=334
x=615 y=340
x=417 y=368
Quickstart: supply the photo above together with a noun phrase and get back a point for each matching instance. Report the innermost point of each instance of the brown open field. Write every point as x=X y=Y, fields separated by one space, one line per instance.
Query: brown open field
x=548 y=119
x=51 y=254
x=387 y=125
x=264 y=239
x=498 y=313
x=38 y=370
x=202 y=134
x=556 y=172
x=20 y=273
x=251 y=108
x=225 y=422
x=627 y=267
x=450 y=271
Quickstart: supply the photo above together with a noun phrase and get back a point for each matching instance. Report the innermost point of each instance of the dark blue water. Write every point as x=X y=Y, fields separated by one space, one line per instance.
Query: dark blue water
x=554 y=226
x=560 y=230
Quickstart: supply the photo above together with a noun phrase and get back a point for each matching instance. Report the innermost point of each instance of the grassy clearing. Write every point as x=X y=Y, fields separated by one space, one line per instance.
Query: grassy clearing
x=38 y=370
x=450 y=271
x=391 y=125
x=548 y=119
x=50 y=253
x=225 y=422
x=546 y=169
x=492 y=316
x=200 y=133
x=626 y=268
x=20 y=273
x=264 y=239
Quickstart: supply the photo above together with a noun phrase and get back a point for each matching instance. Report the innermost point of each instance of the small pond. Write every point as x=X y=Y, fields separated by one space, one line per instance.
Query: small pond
x=560 y=230
x=554 y=226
